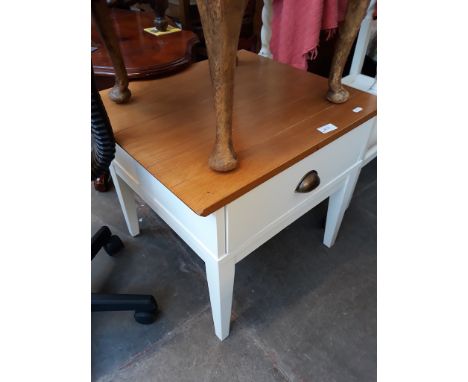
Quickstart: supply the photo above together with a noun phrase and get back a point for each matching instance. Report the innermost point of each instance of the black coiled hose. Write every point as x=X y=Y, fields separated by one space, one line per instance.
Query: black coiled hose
x=102 y=136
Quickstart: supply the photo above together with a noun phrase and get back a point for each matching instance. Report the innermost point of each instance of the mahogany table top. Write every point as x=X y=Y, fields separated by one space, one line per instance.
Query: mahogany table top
x=169 y=127
x=144 y=54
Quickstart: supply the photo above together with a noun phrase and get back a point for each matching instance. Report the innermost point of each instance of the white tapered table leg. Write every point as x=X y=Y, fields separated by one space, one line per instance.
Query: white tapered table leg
x=127 y=202
x=337 y=205
x=352 y=186
x=220 y=277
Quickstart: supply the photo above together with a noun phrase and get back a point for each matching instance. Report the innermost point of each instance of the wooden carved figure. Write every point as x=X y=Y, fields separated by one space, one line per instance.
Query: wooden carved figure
x=221 y=20
x=348 y=31
x=120 y=92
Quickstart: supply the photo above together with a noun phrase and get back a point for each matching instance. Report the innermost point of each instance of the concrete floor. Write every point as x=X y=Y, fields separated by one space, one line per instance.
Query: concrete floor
x=301 y=311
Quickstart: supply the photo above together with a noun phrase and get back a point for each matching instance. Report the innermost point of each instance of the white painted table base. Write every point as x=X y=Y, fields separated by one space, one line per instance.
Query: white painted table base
x=228 y=235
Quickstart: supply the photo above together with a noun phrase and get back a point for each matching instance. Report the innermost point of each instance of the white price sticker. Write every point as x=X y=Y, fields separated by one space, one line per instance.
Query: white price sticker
x=327 y=128
x=357 y=109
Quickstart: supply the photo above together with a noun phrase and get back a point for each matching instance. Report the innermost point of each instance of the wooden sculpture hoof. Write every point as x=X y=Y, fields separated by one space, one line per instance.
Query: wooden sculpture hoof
x=339 y=96
x=119 y=96
x=222 y=160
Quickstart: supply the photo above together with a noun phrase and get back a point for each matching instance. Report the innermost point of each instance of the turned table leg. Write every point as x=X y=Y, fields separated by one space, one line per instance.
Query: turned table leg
x=267 y=14
x=348 y=31
x=120 y=92
x=221 y=20
x=160 y=7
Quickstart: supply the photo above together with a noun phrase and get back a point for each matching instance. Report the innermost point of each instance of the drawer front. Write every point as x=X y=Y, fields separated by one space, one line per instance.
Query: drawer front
x=258 y=215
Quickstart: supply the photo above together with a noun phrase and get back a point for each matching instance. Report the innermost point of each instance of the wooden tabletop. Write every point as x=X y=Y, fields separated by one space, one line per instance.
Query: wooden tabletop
x=144 y=54
x=169 y=127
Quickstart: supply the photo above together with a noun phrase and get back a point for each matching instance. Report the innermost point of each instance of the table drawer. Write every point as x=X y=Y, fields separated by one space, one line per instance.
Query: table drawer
x=258 y=215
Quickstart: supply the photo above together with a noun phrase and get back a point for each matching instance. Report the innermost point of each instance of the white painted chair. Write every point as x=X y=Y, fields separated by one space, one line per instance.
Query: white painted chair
x=355 y=78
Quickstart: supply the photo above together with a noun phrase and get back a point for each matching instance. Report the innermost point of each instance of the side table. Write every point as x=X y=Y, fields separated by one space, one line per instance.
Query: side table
x=144 y=55
x=287 y=166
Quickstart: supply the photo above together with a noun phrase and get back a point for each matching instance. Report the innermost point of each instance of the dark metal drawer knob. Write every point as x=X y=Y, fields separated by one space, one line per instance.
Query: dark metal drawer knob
x=309 y=182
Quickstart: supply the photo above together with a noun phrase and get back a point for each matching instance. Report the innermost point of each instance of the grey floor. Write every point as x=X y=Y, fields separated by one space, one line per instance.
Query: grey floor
x=301 y=311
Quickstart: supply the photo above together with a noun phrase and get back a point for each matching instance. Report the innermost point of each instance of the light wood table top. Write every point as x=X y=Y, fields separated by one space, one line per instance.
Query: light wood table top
x=169 y=127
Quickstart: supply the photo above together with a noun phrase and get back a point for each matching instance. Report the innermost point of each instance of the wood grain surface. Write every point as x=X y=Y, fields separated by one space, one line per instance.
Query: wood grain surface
x=168 y=127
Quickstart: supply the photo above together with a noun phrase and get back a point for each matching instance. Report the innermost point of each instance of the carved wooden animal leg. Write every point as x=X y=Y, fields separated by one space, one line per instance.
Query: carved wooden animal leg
x=120 y=92
x=348 y=32
x=221 y=20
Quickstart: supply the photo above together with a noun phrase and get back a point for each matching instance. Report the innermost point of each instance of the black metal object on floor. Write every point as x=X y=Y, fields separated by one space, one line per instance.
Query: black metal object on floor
x=145 y=306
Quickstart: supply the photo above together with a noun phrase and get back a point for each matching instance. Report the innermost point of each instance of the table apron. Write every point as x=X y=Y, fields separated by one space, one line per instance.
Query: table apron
x=243 y=225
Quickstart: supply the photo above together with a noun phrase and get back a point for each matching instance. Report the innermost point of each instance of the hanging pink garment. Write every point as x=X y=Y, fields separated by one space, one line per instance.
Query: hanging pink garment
x=296 y=27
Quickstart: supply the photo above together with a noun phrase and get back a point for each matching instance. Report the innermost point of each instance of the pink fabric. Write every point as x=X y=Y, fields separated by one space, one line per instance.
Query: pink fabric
x=296 y=27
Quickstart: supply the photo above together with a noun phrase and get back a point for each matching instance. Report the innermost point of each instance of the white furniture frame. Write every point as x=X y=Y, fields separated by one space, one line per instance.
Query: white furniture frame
x=357 y=80
x=354 y=79
x=229 y=234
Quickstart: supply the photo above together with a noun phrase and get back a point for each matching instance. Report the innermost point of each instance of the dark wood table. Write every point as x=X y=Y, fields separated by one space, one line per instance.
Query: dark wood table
x=145 y=55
